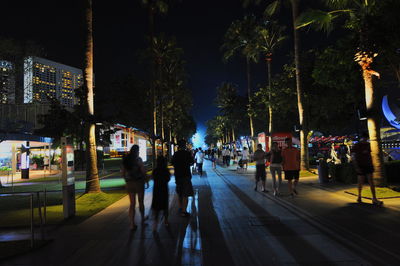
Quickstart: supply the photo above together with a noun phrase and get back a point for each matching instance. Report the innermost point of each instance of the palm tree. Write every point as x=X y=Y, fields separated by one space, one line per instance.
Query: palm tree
x=269 y=37
x=240 y=39
x=170 y=82
x=360 y=14
x=154 y=7
x=231 y=106
x=271 y=9
x=92 y=174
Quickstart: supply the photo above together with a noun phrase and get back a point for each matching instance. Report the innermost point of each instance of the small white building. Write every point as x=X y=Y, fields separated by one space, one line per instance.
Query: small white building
x=124 y=138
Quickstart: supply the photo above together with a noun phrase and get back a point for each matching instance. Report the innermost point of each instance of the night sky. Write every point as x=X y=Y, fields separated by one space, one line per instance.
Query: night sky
x=120 y=28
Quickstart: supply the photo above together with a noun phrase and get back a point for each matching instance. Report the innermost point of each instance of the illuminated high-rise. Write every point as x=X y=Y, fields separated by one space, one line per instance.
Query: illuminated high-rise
x=7 y=82
x=45 y=79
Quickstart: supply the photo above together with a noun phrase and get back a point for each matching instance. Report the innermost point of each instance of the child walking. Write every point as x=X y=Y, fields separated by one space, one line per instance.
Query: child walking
x=161 y=176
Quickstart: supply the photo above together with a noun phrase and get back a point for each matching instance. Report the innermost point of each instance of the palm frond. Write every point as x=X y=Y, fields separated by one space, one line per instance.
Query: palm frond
x=321 y=20
x=246 y=3
x=272 y=8
x=162 y=7
x=340 y=4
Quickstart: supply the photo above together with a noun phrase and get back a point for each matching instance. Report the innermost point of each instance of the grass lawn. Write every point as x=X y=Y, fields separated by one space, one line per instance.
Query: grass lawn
x=381 y=192
x=86 y=206
x=16 y=211
x=304 y=173
x=112 y=163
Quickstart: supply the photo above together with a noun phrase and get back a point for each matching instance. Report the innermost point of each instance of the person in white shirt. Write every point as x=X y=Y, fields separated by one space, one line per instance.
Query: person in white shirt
x=245 y=157
x=225 y=154
x=233 y=154
x=199 y=161
x=228 y=157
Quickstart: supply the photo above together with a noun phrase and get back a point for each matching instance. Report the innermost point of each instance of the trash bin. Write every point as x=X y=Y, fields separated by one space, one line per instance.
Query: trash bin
x=323 y=171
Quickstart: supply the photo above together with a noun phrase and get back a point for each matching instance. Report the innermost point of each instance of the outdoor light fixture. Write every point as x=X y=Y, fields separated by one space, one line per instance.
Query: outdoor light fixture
x=297 y=128
x=361 y=118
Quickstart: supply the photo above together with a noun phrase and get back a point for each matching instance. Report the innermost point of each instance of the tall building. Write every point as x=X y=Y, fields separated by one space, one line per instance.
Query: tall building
x=44 y=79
x=7 y=82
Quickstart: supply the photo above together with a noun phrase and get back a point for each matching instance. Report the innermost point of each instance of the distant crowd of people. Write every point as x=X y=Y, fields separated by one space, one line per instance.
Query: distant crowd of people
x=285 y=160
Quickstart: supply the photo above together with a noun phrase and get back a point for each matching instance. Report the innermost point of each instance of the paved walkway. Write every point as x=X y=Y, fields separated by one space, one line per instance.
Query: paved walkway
x=231 y=224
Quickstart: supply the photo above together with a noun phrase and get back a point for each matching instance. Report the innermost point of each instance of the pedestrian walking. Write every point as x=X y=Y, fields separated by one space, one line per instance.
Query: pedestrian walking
x=233 y=154
x=182 y=160
x=228 y=157
x=46 y=163
x=224 y=153
x=261 y=174
x=199 y=161
x=362 y=160
x=275 y=159
x=245 y=158
x=161 y=177
x=291 y=166
x=134 y=174
x=213 y=158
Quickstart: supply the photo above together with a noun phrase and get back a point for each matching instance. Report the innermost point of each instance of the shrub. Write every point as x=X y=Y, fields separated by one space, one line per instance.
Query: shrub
x=346 y=173
x=343 y=173
x=38 y=160
x=392 y=171
x=5 y=168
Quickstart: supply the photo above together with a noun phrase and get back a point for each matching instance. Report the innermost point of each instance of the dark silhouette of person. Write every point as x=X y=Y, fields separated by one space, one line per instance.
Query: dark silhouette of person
x=182 y=160
x=161 y=177
x=362 y=160
x=134 y=174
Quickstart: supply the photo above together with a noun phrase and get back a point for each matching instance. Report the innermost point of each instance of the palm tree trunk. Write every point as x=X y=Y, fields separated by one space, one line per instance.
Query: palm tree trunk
x=249 y=95
x=92 y=175
x=152 y=86
x=374 y=129
x=233 y=135
x=270 y=111
x=162 y=130
x=299 y=88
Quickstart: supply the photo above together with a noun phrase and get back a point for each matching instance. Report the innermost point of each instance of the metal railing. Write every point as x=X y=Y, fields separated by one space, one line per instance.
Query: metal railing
x=39 y=205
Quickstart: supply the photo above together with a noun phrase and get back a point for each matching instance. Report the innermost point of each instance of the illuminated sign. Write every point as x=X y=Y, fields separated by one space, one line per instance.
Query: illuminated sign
x=117 y=139
x=280 y=139
x=262 y=139
x=143 y=149
x=389 y=114
x=68 y=165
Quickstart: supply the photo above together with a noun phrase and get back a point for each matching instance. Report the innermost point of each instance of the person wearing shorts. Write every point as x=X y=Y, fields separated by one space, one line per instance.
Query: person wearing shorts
x=291 y=166
x=245 y=157
x=362 y=160
x=275 y=158
x=261 y=174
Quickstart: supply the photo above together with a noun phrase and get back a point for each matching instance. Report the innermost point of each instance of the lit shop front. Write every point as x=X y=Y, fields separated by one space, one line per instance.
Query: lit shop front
x=124 y=138
x=22 y=152
x=279 y=138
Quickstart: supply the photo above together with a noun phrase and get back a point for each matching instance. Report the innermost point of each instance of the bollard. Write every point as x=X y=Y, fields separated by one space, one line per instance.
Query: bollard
x=40 y=215
x=45 y=206
x=32 y=229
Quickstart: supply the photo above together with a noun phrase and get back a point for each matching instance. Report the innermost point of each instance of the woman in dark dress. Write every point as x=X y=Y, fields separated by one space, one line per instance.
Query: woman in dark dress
x=161 y=176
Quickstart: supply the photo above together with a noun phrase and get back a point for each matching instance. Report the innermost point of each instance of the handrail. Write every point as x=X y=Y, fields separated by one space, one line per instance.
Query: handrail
x=32 y=214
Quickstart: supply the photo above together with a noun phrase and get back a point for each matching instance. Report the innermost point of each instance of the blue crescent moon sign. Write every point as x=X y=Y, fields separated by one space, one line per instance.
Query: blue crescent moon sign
x=390 y=116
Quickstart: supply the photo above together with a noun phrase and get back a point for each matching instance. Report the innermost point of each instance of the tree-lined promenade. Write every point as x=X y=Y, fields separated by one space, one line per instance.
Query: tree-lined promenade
x=330 y=81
